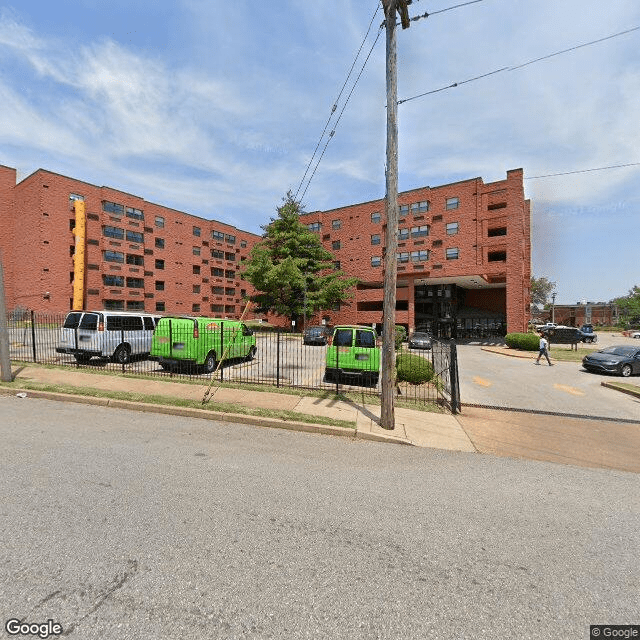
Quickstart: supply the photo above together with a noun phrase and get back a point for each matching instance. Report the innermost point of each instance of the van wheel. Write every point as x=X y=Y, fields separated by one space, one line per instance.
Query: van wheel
x=251 y=355
x=82 y=358
x=122 y=355
x=210 y=363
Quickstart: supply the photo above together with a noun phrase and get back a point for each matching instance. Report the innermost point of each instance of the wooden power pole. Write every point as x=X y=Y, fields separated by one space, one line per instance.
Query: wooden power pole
x=391 y=209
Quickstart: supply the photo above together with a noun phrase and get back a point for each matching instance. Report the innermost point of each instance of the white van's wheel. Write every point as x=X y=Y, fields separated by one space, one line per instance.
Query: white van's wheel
x=122 y=355
x=210 y=363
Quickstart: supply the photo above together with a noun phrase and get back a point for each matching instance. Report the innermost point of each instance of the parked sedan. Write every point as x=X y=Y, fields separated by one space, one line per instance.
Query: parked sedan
x=623 y=360
x=315 y=335
x=419 y=340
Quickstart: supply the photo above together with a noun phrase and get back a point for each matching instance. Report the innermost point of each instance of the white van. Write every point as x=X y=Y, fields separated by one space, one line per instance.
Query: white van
x=117 y=335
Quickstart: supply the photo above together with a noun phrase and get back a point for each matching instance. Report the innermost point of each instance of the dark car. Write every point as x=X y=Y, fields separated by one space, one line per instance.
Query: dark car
x=622 y=360
x=316 y=335
x=419 y=340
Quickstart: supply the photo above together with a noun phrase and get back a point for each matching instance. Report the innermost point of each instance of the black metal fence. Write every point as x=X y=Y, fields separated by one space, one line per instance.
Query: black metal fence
x=274 y=358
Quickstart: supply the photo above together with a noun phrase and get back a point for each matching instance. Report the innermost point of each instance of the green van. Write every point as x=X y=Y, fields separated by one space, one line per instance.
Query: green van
x=187 y=342
x=353 y=352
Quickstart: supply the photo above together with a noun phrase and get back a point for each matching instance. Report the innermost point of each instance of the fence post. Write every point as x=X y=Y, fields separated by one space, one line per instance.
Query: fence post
x=221 y=351
x=278 y=357
x=33 y=336
x=453 y=377
x=121 y=338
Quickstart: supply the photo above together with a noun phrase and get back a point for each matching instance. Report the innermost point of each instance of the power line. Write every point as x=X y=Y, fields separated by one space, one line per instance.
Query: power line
x=341 y=112
x=569 y=173
x=335 y=104
x=520 y=66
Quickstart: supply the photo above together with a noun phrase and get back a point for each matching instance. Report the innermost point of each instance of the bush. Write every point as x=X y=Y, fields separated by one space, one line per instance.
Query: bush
x=524 y=341
x=413 y=368
x=401 y=336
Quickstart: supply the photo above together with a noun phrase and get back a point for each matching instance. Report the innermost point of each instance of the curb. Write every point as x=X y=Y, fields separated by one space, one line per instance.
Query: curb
x=241 y=418
x=629 y=392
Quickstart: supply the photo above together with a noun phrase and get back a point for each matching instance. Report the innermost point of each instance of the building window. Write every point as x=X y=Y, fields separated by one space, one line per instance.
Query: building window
x=336 y=265
x=136 y=214
x=217 y=291
x=376 y=261
x=375 y=217
x=497 y=256
x=217 y=308
x=497 y=205
x=196 y=288
x=404 y=210
x=135 y=283
x=452 y=254
x=134 y=236
x=336 y=224
x=217 y=235
x=196 y=269
x=159 y=243
x=159 y=222
x=113 y=281
x=218 y=273
x=452 y=228
x=497 y=231
x=160 y=306
x=74 y=196
x=419 y=207
x=335 y=244
x=113 y=232
x=243 y=244
x=403 y=257
x=197 y=231
x=315 y=226
x=216 y=253
x=195 y=308
x=159 y=264
x=452 y=203
x=230 y=274
x=136 y=260
x=403 y=234
x=113 y=256
x=135 y=305
x=159 y=285
x=230 y=239
x=230 y=291
x=114 y=305
x=419 y=232
x=375 y=238
x=419 y=256
x=230 y=256
x=112 y=207
x=196 y=251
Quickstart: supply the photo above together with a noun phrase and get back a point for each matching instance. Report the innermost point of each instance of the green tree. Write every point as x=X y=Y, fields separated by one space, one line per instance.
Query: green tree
x=629 y=307
x=541 y=290
x=291 y=270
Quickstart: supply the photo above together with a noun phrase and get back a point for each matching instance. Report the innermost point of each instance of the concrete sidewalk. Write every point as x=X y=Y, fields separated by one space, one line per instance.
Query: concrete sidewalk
x=419 y=428
x=561 y=439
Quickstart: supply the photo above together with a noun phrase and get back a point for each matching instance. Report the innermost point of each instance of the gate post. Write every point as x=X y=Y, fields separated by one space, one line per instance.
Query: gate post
x=453 y=377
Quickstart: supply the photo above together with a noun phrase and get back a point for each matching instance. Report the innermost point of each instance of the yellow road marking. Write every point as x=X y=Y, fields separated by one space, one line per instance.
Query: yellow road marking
x=482 y=382
x=572 y=390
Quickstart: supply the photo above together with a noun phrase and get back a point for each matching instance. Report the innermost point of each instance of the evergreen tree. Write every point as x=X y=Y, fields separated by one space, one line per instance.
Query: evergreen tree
x=290 y=266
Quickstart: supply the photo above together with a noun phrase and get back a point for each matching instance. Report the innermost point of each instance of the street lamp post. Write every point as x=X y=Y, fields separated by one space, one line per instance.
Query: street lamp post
x=553 y=307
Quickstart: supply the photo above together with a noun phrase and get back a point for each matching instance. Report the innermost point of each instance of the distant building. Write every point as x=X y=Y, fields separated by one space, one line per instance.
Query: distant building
x=575 y=315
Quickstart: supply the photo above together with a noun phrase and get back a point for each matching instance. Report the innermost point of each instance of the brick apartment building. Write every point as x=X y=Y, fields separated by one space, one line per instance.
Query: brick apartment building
x=464 y=257
x=139 y=255
x=602 y=314
x=463 y=254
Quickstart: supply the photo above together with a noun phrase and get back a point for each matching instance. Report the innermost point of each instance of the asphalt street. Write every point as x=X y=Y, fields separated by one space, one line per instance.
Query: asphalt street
x=125 y=525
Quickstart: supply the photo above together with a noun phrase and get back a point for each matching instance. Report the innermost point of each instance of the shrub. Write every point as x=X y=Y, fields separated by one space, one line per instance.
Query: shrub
x=401 y=336
x=524 y=341
x=413 y=368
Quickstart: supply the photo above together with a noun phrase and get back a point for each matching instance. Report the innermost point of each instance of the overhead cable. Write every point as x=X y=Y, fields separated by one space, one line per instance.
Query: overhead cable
x=519 y=66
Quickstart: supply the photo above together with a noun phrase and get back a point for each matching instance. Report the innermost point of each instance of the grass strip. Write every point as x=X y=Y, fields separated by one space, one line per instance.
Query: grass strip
x=221 y=407
x=625 y=387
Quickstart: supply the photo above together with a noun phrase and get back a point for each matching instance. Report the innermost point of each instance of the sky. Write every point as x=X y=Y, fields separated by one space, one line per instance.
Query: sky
x=215 y=108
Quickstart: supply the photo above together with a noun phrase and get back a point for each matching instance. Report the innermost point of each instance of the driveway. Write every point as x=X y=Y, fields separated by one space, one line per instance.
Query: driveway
x=491 y=379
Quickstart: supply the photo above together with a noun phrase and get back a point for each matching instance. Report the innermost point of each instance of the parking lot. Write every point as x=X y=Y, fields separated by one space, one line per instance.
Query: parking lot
x=491 y=379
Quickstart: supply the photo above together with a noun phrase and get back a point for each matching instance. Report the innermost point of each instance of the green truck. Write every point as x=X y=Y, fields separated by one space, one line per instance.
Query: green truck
x=200 y=343
x=353 y=353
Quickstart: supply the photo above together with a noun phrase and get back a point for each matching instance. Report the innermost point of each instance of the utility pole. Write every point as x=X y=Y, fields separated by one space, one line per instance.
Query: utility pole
x=387 y=420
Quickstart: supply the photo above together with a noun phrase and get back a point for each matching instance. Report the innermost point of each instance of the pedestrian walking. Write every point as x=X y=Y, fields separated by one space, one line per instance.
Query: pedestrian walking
x=544 y=346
